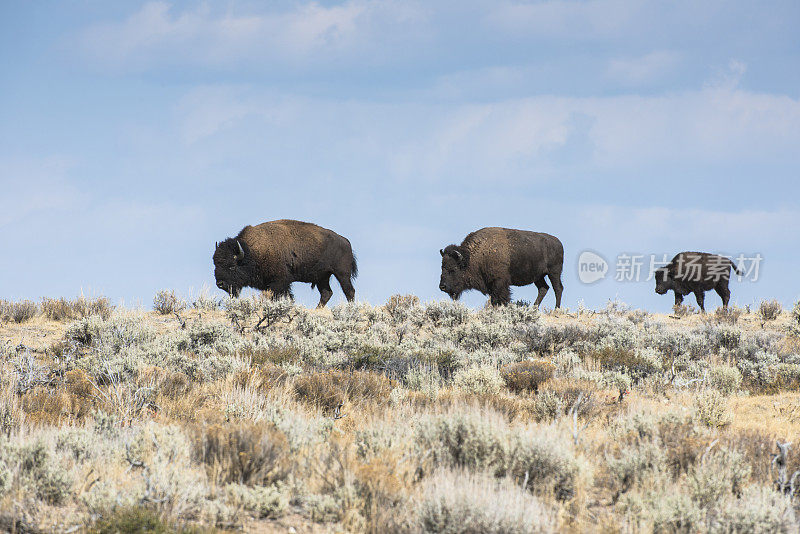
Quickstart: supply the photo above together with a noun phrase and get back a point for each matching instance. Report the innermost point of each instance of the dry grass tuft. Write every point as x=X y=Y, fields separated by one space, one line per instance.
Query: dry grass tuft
x=330 y=389
x=57 y=309
x=528 y=375
x=397 y=305
x=61 y=309
x=243 y=453
x=18 y=312
x=769 y=310
x=262 y=378
x=168 y=383
x=274 y=356
x=683 y=310
x=139 y=519
x=167 y=302
x=629 y=361
x=729 y=315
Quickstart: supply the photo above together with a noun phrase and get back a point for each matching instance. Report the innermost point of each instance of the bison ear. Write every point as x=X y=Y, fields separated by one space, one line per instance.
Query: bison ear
x=441 y=251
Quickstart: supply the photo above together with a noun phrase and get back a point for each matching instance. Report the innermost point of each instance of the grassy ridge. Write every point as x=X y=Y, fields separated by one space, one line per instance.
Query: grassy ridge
x=407 y=417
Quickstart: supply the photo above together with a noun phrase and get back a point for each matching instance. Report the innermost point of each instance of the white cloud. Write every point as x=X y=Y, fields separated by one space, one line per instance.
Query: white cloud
x=668 y=227
x=43 y=192
x=712 y=125
x=159 y=34
x=625 y=132
x=207 y=110
x=516 y=140
x=490 y=80
x=728 y=78
x=641 y=70
x=557 y=18
x=615 y=20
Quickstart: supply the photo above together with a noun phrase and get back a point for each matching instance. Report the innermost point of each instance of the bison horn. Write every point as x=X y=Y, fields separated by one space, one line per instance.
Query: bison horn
x=441 y=251
x=458 y=255
x=240 y=256
x=216 y=244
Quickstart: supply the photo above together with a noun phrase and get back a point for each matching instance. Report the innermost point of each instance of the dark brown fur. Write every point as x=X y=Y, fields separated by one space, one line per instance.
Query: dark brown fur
x=278 y=253
x=491 y=260
x=696 y=272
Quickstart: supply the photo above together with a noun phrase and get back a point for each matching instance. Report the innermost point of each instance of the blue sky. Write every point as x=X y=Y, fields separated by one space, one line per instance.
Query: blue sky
x=135 y=135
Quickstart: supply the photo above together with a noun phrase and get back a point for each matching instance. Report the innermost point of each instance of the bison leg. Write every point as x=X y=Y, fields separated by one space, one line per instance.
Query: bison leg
x=678 y=298
x=543 y=287
x=347 y=286
x=325 y=292
x=700 y=295
x=723 y=292
x=558 y=287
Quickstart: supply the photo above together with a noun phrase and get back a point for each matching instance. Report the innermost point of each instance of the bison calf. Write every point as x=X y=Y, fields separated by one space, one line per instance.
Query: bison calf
x=492 y=259
x=696 y=272
x=274 y=254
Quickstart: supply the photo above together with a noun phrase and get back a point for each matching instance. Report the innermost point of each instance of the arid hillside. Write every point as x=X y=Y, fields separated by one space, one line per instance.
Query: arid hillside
x=264 y=416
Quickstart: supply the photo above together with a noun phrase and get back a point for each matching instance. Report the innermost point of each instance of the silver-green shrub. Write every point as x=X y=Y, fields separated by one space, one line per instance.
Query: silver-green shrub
x=462 y=439
x=716 y=476
x=377 y=438
x=446 y=314
x=726 y=378
x=769 y=310
x=166 y=302
x=761 y=510
x=726 y=336
x=41 y=473
x=206 y=303
x=635 y=464
x=425 y=379
x=676 y=512
x=481 y=380
x=544 y=460
x=79 y=443
x=263 y=501
x=710 y=408
x=479 y=335
x=462 y=503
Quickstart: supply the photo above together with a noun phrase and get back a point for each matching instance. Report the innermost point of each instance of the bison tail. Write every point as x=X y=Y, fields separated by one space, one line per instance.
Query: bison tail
x=736 y=269
x=353 y=268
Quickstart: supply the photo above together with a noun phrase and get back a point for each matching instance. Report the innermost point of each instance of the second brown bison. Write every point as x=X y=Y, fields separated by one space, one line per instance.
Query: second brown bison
x=696 y=272
x=272 y=255
x=491 y=260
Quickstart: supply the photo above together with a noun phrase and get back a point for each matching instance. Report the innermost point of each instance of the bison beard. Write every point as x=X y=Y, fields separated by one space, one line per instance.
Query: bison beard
x=491 y=260
x=273 y=255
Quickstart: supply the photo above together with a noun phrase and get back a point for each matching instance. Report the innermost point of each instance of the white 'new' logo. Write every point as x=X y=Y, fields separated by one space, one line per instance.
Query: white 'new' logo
x=591 y=267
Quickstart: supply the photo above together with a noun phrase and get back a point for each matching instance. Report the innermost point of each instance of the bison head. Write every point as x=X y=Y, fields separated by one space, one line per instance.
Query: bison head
x=663 y=280
x=229 y=262
x=455 y=260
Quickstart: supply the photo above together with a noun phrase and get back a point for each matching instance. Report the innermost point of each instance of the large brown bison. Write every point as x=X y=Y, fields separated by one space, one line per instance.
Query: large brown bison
x=492 y=259
x=274 y=254
x=696 y=272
